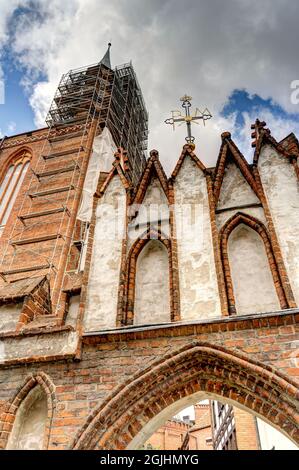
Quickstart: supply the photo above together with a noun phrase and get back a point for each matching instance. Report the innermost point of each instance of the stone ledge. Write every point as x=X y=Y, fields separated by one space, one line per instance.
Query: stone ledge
x=24 y=348
x=35 y=359
x=222 y=324
x=36 y=331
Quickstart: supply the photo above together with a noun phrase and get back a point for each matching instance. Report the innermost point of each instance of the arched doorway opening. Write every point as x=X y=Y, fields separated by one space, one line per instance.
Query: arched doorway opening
x=209 y=425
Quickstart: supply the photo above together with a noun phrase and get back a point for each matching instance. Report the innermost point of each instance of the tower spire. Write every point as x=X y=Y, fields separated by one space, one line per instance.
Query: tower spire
x=106 y=59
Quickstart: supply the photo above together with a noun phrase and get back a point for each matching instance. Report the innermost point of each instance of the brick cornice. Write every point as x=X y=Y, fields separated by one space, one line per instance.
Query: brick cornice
x=36 y=332
x=38 y=135
x=176 y=329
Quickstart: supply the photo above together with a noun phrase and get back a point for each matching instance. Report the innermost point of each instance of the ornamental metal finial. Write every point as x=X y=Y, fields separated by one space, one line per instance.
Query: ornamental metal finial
x=177 y=116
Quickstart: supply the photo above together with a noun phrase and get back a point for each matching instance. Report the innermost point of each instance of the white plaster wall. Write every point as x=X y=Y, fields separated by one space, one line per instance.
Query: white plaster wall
x=101 y=160
x=30 y=422
x=197 y=274
x=271 y=437
x=152 y=295
x=234 y=189
x=39 y=345
x=154 y=207
x=253 y=284
x=102 y=294
x=72 y=315
x=9 y=316
x=282 y=191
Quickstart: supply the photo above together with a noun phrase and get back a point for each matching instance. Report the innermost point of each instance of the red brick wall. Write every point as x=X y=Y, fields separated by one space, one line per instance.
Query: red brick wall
x=168 y=437
x=246 y=431
x=115 y=366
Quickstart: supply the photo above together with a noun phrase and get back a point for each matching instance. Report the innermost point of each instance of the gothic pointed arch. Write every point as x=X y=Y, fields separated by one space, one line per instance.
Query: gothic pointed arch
x=229 y=152
x=215 y=371
x=36 y=387
x=153 y=169
x=263 y=137
x=257 y=226
x=127 y=293
x=11 y=178
x=187 y=151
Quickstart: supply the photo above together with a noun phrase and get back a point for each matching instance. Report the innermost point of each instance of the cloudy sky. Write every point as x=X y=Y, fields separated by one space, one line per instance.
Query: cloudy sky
x=237 y=57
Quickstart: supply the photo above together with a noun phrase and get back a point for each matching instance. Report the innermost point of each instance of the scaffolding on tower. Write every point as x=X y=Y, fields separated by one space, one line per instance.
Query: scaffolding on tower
x=86 y=100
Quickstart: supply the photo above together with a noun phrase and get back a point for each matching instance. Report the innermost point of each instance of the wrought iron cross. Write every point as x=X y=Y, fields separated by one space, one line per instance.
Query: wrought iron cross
x=177 y=116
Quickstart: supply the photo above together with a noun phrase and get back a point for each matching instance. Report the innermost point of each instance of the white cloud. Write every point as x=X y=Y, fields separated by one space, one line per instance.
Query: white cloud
x=280 y=128
x=6 y=10
x=203 y=48
x=2 y=88
x=11 y=127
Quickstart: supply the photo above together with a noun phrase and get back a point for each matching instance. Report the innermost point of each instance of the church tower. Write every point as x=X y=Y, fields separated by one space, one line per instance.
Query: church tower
x=96 y=109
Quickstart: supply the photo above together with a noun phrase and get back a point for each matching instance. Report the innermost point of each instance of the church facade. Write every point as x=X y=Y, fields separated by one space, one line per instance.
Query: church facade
x=148 y=293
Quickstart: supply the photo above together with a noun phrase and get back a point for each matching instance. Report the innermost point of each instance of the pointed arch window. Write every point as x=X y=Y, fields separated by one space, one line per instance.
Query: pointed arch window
x=10 y=185
x=29 y=428
x=252 y=278
x=150 y=294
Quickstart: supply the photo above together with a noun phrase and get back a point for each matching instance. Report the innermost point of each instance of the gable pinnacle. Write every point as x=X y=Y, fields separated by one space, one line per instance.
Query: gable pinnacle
x=106 y=59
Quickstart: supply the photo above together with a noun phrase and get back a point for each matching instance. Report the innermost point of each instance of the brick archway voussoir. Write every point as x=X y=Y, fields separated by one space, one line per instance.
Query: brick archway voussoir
x=199 y=367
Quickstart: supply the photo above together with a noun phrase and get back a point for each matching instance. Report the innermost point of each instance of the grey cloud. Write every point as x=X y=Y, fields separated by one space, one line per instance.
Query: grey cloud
x=205 y=48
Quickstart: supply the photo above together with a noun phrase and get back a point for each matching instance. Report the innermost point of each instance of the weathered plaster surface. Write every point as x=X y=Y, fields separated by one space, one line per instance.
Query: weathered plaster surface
x=9 y=316
x=29 y=426
x=197 y=275
x=235 y=192
x=152 y=294
x=154 y=207
x=252 y=279
x=73 y=311
x=101 y=302
x=282 y=191
x=39 y=345
x=234 y=189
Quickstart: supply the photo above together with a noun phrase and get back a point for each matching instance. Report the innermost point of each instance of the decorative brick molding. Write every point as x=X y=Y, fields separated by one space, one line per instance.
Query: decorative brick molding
x=190 y=369
x=174 y=262
x=37 y=303
x=153 y=166
x=40 y=134
x=140 y=243
x=257 y=226
x=10 y=409
x=228 y=150
x=216 y=247
x=187 y=151
x=264 y=137
x=288 y=147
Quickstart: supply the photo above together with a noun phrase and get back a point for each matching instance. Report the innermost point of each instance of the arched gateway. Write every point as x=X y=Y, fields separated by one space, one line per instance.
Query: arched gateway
x=134 y=410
